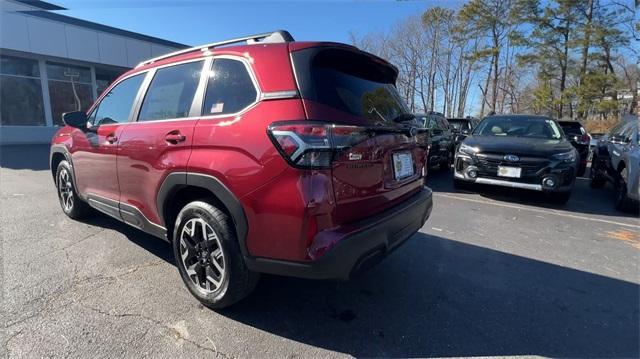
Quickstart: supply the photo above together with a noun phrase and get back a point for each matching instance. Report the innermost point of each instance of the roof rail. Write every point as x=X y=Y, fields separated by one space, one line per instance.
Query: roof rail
x=278 y=36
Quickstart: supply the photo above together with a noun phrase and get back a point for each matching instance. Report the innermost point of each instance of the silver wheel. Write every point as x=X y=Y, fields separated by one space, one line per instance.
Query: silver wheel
x=201 y=255
x=65 y=190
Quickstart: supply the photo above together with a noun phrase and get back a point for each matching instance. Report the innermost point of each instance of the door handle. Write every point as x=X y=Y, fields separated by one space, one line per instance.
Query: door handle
x=174 y=137
x=111 y=138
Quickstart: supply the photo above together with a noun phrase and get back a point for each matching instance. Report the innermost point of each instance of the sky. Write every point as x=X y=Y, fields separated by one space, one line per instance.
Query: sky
x=197 y=22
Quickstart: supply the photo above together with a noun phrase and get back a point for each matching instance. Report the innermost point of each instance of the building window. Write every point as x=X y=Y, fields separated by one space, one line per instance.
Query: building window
x=70 y=89
x=20 y=92
x=104 y=78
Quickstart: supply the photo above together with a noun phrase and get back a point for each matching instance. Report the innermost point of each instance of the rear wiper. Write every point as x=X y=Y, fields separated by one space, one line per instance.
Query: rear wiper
x=373 y=109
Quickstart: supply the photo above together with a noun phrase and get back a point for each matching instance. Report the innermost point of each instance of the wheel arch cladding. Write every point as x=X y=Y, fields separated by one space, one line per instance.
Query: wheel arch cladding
x=57 y=154
x=177 y=181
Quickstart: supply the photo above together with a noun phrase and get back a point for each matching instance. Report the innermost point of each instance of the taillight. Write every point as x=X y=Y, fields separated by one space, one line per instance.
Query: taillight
x=584 y=139
x=312 y=144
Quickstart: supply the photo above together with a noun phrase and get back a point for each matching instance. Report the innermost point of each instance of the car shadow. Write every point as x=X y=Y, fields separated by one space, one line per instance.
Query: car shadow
x=156 y=246
x=29 y=157
x=584 y=199
x=439 y=297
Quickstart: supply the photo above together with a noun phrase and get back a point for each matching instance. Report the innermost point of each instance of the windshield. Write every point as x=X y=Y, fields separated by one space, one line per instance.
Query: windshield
x=530 y=127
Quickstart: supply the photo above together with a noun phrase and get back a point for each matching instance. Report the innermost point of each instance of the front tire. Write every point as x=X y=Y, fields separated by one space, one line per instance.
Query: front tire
x=208 y=256
x=623 y=202
x=72 y=205
x=597 y=179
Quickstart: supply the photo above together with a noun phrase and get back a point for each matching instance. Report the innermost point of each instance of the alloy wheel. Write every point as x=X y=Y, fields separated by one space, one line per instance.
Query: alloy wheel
x=201 y=255
x=65 y=190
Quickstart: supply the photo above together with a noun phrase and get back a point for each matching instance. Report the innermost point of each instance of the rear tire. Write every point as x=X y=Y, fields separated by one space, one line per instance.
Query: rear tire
x=72 y=205
x=203 y=235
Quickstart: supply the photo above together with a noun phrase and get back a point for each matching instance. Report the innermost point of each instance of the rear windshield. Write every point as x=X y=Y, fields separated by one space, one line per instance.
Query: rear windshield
x=572 y=129
x=350 y=82
x=530 y=127
x=459 y=124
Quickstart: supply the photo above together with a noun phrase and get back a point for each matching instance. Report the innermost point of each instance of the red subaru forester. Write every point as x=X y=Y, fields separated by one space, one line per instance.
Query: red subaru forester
x=253 y=155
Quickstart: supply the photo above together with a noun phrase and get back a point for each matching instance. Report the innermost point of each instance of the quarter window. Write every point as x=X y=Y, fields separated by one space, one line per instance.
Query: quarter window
x=171 y=92
x=229 y=88
x=115 y=106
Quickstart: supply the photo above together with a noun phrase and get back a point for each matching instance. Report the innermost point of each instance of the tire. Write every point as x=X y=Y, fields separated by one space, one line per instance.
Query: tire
x=623 y=202
x=582 y=170
x=448 y=162
x=560 y=197
x=597 y=179
x=213 y=270
x=72 y=205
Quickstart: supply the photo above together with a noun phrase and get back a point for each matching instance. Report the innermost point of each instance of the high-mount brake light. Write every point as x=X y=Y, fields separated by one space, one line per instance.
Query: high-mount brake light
x=312 y=144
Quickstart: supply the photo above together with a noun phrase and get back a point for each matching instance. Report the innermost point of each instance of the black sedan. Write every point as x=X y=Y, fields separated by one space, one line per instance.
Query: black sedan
x=519 y=151
x=580 y=139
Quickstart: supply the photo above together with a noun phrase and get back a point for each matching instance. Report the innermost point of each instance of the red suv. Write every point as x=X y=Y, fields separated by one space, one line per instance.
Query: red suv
x=253 y=155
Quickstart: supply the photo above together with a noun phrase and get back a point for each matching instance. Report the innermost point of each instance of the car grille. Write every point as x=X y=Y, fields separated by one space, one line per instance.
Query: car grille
x=488 y=164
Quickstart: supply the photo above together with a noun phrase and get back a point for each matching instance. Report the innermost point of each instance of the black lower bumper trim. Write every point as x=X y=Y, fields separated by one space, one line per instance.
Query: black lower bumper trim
x=380 y=235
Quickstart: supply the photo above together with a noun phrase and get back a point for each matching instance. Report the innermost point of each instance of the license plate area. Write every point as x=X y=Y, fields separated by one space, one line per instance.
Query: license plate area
x=402 y=165
x=510 y=172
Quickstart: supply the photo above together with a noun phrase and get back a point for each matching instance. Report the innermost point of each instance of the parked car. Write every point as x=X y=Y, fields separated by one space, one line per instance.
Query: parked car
x=519 y=151
x=595 y=136
x=273 y=156
x=580 y=139
x=441 y=137
x=616 y=159
x=461 y=128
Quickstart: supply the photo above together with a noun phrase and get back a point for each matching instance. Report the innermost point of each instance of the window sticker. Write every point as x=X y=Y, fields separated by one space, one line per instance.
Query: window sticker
x=217 y=107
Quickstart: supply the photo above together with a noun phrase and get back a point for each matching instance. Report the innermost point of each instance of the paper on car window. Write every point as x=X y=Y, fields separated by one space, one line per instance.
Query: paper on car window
x=217 y=107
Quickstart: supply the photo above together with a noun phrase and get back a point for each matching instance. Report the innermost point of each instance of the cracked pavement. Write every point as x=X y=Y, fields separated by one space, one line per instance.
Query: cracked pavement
x=491 y=273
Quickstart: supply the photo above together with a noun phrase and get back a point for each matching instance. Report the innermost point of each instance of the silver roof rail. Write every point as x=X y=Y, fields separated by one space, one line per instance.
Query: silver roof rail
x=278 y=36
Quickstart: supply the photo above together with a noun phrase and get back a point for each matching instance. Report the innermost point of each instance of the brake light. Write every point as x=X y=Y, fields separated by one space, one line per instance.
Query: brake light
x=584 y=139
x=312 y=144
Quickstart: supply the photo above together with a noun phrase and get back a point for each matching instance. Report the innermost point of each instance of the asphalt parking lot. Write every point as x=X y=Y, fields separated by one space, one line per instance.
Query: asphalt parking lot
x=491 y=273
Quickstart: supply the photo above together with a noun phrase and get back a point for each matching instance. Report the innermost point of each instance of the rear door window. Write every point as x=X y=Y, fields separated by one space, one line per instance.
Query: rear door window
x=230 y=88
x=170 y=94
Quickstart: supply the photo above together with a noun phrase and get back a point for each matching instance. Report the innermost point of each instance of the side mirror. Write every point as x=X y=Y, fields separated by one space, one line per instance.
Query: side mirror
x=465 y=131
x=77 y=119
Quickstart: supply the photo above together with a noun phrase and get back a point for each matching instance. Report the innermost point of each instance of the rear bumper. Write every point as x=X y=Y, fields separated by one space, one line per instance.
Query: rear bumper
x=368 y=242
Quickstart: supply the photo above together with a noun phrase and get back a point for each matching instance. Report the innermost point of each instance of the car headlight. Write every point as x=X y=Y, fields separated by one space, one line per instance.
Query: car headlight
x=467 y=149
x=566 y=156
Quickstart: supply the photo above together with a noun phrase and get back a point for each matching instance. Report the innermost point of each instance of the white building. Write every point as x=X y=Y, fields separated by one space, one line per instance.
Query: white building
x=51 y=63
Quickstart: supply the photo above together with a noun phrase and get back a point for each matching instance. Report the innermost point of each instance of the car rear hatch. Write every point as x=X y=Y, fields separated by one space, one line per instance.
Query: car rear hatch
x=377 y=159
